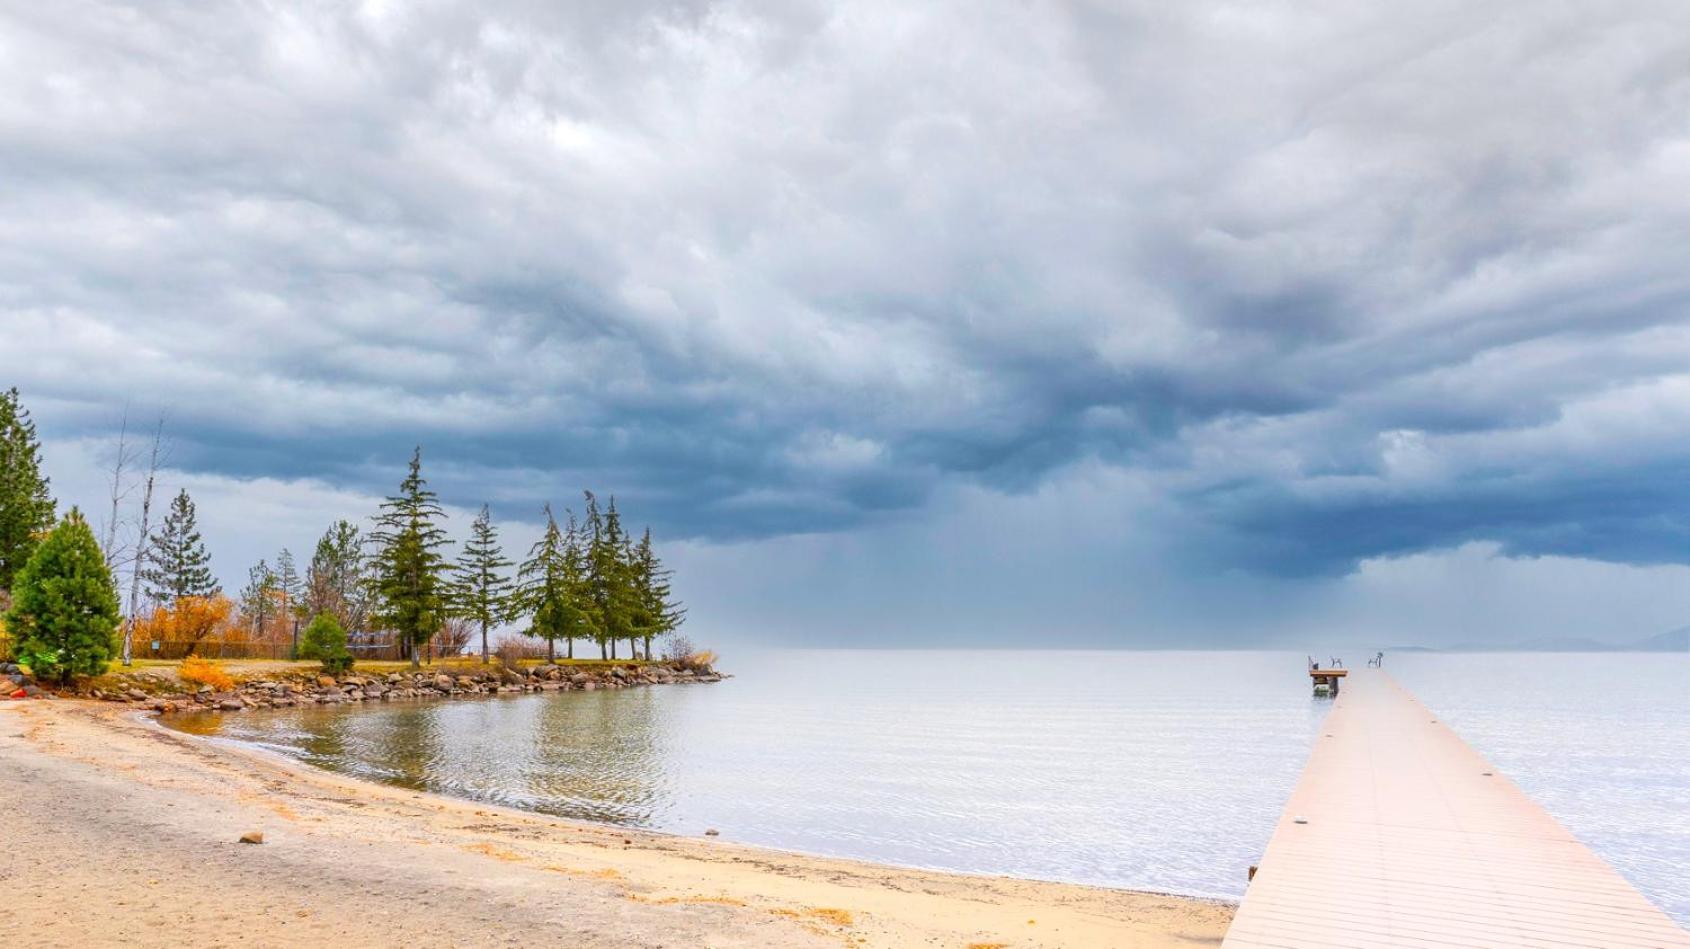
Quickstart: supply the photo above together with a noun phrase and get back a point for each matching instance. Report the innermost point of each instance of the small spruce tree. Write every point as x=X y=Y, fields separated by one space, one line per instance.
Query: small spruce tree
x=26 y=507
x=64 y=615
x=178 y=566
x=325 y=641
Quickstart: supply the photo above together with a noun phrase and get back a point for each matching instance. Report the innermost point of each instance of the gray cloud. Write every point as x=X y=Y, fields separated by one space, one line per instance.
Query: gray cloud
x=1332 y=280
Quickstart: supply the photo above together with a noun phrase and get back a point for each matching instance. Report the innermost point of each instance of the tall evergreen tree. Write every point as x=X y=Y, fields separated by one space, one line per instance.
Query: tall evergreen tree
x=409 y=571
x=656 y=612
x=64 y=614
x=178 y=566
x=608 y=576
x=26 y=507
x=578 y=587
x=259 y=597
x=552 y=590
x=481 y=588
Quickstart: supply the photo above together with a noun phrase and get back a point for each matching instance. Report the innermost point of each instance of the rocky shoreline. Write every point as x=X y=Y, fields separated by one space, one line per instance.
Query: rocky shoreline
x=163 y=692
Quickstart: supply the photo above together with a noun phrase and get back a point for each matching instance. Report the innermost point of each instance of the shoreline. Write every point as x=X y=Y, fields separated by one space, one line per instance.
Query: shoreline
x=295 y=764
x=595 y=884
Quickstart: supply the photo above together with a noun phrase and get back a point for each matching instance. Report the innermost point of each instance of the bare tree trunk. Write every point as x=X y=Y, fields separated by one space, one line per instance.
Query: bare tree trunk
x=117 y=492
x=571 y=647
x=484 y=658
x=551 y=650
x=141 y=544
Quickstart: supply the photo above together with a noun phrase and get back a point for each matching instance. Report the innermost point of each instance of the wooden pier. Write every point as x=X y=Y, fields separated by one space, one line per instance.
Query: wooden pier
x=1398 y=834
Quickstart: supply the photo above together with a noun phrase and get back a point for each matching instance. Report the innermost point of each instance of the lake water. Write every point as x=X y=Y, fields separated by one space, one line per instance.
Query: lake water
x=1150 y=770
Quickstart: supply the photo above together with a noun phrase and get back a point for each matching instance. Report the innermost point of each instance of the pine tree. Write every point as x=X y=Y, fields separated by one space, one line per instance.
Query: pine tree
x=177 y=565
x=336 y=581
x=26 y=508
x=64 y=614
x=481 y=589
x=552 y=589
x=608 y=576
x=258 y=598
x=656 y=613
x=409 y=570
x=288 y=583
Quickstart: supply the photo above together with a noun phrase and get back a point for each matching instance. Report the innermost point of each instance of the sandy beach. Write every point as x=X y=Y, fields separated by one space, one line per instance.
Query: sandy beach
x=119 y=830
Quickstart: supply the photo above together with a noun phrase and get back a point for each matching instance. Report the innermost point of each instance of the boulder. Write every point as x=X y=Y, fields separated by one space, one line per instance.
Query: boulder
x=443 y=683
x=135 y=695
x=326 y=682
x=252 y=837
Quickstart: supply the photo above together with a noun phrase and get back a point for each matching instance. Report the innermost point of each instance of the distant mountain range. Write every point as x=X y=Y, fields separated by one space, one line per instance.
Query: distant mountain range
x=1677 y=640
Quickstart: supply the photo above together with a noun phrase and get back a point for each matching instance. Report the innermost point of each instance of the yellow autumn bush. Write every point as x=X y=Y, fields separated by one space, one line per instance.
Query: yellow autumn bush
x=197 y=671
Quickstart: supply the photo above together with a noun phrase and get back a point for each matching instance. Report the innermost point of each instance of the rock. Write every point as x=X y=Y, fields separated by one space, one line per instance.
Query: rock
x=231 y=705
x=443 y=683
x=579 y=677
x=252 y=837
x=326 y=682
x=712 y=832
x=589 y=686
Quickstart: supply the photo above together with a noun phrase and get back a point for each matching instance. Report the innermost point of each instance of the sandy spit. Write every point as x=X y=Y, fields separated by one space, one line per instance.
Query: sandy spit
x=116 y=831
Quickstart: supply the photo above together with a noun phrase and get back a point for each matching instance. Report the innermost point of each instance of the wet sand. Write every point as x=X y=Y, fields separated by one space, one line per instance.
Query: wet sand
x=120 y=831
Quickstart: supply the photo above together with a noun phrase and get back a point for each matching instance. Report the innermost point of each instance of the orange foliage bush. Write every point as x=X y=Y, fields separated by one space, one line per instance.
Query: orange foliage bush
x=191 y=619
x=197 y=671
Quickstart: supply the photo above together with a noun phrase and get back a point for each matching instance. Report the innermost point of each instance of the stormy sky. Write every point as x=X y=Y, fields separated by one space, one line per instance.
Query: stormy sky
x=1204 y=323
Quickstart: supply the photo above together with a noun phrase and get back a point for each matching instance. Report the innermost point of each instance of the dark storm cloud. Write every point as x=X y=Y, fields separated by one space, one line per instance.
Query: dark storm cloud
x=1339 y=279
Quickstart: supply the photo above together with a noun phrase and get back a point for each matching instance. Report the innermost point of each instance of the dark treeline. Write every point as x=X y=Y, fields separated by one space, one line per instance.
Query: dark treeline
x=587 y=580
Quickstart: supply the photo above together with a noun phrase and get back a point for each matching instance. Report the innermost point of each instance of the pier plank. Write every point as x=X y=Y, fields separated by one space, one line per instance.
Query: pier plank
x=1411 y=838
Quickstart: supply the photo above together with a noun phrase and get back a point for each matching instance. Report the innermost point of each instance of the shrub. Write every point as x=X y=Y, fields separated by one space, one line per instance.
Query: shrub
x=325 y=641
x=197 y=671
x=513 y=648
x=678 y=648
x=700 y=661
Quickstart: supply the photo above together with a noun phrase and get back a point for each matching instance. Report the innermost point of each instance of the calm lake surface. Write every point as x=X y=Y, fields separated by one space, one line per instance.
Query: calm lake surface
x=1151 y=770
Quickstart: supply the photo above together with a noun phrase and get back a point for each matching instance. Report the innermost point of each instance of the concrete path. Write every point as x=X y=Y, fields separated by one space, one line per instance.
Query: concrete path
x=1399 y=834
